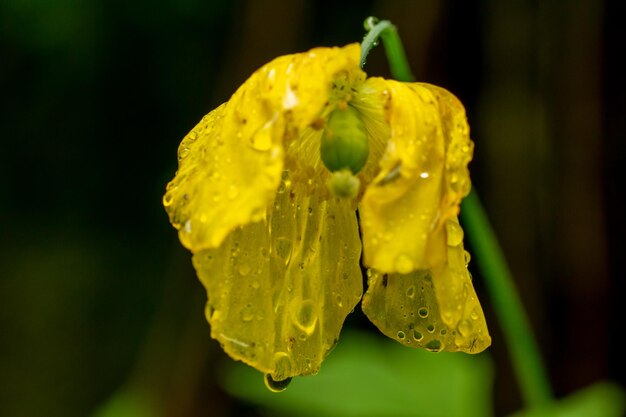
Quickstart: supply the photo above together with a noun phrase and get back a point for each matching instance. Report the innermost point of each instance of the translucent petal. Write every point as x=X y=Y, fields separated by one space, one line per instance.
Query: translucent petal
x=436 y=310
x=422 y=178
x=279 y=290
x=230 y=163
x=371 y=101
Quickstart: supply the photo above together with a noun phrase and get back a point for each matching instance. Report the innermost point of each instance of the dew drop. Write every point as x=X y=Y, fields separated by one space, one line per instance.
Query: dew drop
x=283 y=249
x=262 y=140
x=183 y=153
x=465 y=328
x=468 y=257
x=434 y=346
x=244 y=269
x=417 y=335
x=403 y=264
x=232 y=192
x=282 y=366
x=423 y=312
x=306 y=317
x=430 y=328
x=276 y=386
x=401 y=335
x=410 y=292
x=454 y=233
x=247 y=313
x=168 y=199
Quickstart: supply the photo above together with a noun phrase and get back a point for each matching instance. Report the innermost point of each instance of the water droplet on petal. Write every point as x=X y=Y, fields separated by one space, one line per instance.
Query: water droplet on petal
x=468 y=257
x=282 y=248
x=423 y=312
x=434 y=346
x=306 y=317
x=417 y=335
x=282 y=367
x=244 y=269
x=410 y=292
x=454 y=233
x=403 y=264
x=401 y=335
x=247 y=313
x=233 y=192
x=276 y=386
x=465 y=328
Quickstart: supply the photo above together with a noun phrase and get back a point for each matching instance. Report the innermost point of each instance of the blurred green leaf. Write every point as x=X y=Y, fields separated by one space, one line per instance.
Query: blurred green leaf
x=371 y=376
x=128 y=403
x=603 y=399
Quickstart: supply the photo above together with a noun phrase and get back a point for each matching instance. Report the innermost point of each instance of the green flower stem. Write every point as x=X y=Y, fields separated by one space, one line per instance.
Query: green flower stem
x=399 y=65
x=531 y=374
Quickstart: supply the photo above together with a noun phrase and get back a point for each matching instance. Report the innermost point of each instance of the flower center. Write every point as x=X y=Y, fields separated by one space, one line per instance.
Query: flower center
x=344 y=141
x=344 y=149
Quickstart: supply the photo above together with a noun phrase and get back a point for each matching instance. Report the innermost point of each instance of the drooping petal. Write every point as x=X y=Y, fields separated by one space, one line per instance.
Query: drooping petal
x=437 y=310
x=279 y=290
x=423 y=177
x=230 y=164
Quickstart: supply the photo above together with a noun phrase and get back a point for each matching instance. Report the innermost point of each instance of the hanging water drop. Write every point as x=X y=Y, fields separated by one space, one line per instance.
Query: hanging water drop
x=276 y=386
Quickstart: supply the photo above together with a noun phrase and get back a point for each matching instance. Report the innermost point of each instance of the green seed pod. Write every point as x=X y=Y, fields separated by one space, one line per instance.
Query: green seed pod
x=344 y=141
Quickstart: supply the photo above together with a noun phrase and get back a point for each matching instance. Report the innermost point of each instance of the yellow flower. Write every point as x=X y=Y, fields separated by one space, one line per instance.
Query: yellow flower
x=274 y=233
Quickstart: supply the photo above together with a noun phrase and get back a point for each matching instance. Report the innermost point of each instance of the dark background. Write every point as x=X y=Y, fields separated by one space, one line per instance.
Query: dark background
x=96 y=293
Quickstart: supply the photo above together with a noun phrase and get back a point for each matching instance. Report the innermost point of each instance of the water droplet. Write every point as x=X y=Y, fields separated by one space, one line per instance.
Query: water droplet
x=183 y=153
x=244 y=269
x=468 y=257
x=276 y=386
x=262 y=140
x=339 y=301
x=282 y=366
x=247 y=313
x=168 y=198
x=233 y=192
x=423 y=312
x=306 y=317
x=454 y=233
x=403 y=264
x=424 y=175
x=410 y=292
x=417 y=335
x=370 y=22
x=434 y=346
x=430 y=328
x=465 y=328
x=474 y=314
x=443 y=332
x=401 y=335
x=282 y=248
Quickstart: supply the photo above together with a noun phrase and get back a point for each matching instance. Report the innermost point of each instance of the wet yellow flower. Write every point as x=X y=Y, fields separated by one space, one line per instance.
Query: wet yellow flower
x=274 y=232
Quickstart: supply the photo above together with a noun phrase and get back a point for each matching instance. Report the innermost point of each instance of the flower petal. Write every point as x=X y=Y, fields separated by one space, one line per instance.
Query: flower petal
x=230 y=163
x=437 y=310
x=423 y=177
x=279 y=290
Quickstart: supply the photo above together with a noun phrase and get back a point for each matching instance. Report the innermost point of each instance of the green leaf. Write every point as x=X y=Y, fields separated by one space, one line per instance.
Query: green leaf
x=602 y=399
x=371 y=376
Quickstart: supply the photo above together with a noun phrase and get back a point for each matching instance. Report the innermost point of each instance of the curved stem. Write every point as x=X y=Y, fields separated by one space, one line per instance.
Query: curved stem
x=384 y=29
x=524 y=352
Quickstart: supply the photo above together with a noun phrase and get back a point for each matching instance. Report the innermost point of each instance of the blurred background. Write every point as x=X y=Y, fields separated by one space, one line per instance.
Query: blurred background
x=100 y=310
